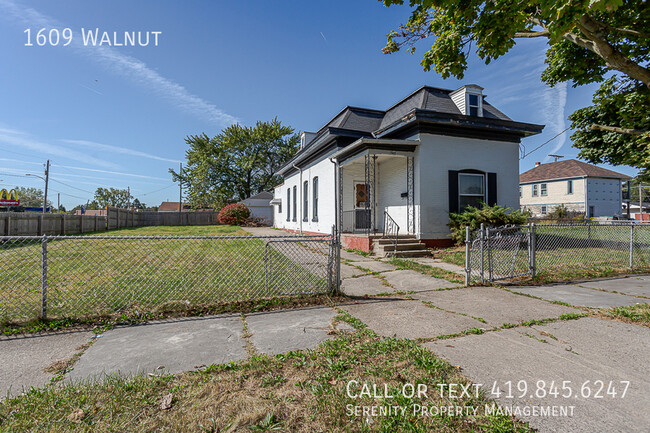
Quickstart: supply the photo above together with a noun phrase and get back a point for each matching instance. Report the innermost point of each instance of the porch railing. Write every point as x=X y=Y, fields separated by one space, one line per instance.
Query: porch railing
x=391 y=230
x=356 y=221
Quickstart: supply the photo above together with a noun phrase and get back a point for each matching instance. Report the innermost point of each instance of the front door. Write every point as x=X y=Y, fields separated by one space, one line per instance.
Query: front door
x=361 y=214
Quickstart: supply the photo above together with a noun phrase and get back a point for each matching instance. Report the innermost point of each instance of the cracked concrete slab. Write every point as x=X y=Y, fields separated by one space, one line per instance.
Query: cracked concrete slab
x=282 y=331
x=354 y=257
x=407 y=318
x=589 y=350
x=408 y=280
x=376 y=266
x=176 y=346
x=632 y=286
x=365 y=285
x=348 y=271
x=437 y=263
x=578 y=296
x=24 y=358
x=494 y=305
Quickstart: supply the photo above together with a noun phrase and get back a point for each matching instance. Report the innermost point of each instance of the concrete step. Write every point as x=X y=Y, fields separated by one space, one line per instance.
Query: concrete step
x=384 y=241
x=411 y=253
x=404 y=246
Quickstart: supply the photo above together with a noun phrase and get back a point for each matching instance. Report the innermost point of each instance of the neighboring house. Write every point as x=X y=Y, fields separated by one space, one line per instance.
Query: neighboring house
x=580 y=187
x=431 y=153
x=635 y=214
x=172 y=206
x=260 y=206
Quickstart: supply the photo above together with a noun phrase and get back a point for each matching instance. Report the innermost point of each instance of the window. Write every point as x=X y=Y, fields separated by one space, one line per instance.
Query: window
x=535 y=191
x=471 y=190
x=280 y=206
x=305 y=200
x=473 y=105
x=544 y=210
x=288 y=204
x=314 y=191
x=361 y=194
x=295 y=202
x=543 y=191
x=569 y=187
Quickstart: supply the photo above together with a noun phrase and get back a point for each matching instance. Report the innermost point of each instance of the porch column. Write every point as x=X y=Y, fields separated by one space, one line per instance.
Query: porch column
x=369 y=172
x=410 y=199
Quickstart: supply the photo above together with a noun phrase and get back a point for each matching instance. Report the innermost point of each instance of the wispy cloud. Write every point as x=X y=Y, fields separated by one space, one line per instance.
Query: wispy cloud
x=116 y=149
x=22 y=141
x=553 y=108
x=127 y=66
x=120 y=173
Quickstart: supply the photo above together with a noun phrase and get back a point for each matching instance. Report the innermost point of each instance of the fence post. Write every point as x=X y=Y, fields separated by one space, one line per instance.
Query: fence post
x=337 y=257
x=468 y=269
x=533 y=249
x=489 y=251
x=589 y=234
x=631 y=245
x=40 y=225
x=482 y=246
x=44 y=279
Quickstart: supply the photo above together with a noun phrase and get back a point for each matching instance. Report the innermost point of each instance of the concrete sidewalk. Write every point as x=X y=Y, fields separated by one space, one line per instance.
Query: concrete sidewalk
x=169 y=346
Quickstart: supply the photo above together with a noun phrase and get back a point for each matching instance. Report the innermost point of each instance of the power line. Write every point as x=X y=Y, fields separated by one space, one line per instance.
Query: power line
x=158 y=190
x=73 y=187
x=546 y=142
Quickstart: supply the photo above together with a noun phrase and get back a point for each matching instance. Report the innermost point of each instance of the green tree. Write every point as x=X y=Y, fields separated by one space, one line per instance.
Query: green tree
x=235 y=164
x=595 y=41
x=112 y=197
x=31 y=197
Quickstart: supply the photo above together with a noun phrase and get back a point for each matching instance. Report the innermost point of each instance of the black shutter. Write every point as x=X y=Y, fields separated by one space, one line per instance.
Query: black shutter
x=491 y=189
x=453 y=191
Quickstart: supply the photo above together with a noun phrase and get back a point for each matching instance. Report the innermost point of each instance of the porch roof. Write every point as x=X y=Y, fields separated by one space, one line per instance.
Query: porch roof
x=377 y=146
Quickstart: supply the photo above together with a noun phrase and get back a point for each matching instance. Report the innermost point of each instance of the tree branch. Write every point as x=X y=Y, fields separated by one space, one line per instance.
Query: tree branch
x=635 y=132
x=596 y=43
x=541 y=33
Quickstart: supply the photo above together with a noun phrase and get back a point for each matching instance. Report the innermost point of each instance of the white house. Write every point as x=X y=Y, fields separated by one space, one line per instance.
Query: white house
x=260 y=206
x=369 y=171
x=580 y=187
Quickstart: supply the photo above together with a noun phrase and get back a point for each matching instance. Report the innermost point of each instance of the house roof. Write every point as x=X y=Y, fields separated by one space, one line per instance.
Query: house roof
x=567 y=169
x=262 y=195
x=427 y=105
x=168 y=206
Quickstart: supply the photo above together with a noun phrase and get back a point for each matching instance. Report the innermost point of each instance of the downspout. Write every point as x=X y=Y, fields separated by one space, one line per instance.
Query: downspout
x=301 y=198
x=336 y=195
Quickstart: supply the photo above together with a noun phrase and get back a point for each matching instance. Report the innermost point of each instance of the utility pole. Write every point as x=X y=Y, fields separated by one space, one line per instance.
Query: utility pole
x=47 y=178
x=180 y=198
x=128 y=197
x=58 y=202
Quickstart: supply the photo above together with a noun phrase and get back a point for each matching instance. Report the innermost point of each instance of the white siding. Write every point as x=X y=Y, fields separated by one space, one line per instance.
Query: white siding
x=436 y=155
x=605 y=196
x=556 y=195
x=325 y=171
x=459 y=99
x=391 y=183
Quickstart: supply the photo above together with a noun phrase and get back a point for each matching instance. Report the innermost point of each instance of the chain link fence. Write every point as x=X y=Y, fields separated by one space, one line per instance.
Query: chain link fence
x=558 y=250
x=84 y=276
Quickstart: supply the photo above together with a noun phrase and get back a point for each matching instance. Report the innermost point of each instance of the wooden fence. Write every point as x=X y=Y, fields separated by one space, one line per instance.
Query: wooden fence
x=36 y=224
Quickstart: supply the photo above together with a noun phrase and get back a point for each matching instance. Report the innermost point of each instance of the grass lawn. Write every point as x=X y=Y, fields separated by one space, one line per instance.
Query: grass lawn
x=95 y=277
x=301 y=391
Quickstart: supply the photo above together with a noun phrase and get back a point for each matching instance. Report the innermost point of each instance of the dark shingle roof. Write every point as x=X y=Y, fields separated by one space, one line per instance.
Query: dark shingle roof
x=566 y=169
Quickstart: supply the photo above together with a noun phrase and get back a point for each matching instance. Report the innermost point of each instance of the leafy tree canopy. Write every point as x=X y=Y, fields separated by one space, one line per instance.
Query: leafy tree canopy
x=235 y=164
x=112 y=197
x=604 y=41
x=31 y=197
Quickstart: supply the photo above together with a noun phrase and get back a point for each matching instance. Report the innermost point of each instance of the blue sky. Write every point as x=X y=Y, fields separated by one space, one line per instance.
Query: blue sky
x=118 y=116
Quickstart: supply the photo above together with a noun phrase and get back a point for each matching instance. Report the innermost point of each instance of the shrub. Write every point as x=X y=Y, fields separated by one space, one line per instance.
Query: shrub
x=491 y=216
x=234 y=214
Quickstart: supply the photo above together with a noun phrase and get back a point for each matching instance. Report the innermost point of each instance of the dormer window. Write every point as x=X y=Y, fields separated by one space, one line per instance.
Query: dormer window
x=473 y=105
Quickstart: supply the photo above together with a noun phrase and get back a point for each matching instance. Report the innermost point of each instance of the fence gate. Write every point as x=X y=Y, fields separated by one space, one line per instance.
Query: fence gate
x=499 y=253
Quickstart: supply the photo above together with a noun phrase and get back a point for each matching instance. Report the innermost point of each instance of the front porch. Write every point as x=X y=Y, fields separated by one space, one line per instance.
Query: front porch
x=376 y=195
